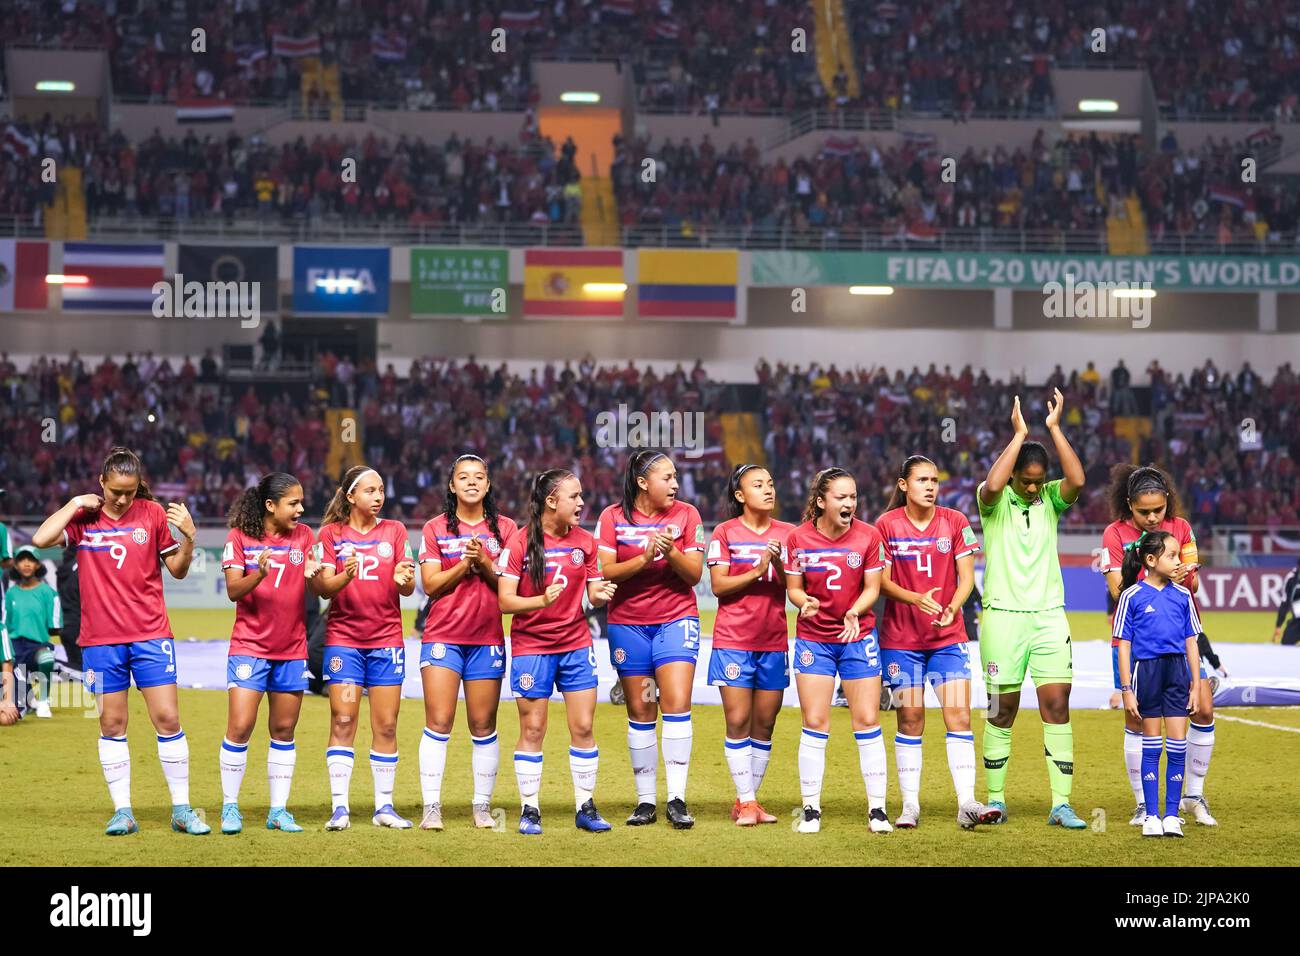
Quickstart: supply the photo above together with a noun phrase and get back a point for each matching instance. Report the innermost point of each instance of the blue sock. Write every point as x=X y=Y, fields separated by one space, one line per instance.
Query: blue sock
x=1151 y=773
x=1174 y=764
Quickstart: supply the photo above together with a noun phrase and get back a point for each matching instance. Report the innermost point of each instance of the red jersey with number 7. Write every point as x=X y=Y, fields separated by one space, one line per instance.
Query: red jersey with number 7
x=367 y=613
x=833 y=570
x=570 y=560
x=270 y=621
x=920 y=559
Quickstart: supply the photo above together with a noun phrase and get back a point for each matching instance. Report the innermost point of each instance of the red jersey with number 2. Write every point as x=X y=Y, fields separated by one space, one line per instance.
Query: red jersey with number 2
x=921 y=559
x=833 y=570
x=367 y=613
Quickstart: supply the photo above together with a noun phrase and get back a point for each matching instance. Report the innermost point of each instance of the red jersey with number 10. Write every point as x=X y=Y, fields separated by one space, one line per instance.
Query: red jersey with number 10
x=921 y=559
x=367 y=613
x=570 y=560
x=655 y=594
x=270 y=620
x=754 y=618
x=469 y=612
x=833 y=570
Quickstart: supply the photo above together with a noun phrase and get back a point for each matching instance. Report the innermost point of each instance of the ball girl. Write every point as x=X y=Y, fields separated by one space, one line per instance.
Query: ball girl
x=32 y=615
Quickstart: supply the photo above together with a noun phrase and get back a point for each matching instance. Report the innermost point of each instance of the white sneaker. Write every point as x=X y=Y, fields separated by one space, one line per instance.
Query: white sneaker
x=1139 y=815
x=1173 y=826
x=909 y=818
x=483 y=818
x=43 y=709
x=386 y=816
x=1197 y=807
x=811 y=822
x=1151 y=826
x=878 y=821
x=972 y=813
x=432 y=819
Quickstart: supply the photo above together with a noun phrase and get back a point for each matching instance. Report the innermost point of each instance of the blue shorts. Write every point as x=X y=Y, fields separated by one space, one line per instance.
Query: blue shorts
x=761 y=670
x=470 y=661
x=851 y=661
x=258 y=673
x=1161 y=685
x=1114 y=666
x=109 y=668
x=638 y=650
x=539 y=675
x=904 y=668
x=371 y=667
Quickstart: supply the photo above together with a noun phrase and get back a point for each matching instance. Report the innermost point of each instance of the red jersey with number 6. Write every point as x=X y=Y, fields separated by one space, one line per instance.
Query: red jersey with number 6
x=570 y=560
x=469 y=612
x=656 y=594
x=367 y=613
x=752 y=619
x=270 y=621
x=919 y=560
x=833 y=570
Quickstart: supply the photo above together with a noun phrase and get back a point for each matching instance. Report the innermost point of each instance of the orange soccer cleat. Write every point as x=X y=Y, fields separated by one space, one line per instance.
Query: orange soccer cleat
x=748 y=815
x=735 y=809
x=763 y=815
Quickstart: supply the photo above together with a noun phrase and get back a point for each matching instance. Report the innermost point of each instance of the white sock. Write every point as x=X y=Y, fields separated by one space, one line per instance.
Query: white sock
x=339 y=762
x=433 y=761
x=740 y=761
x=528 y=775
x=484 y=762
x=115 y=758
x=1133 y=764
x=812 y=766
x=1200 y=747
x=582 y=765
x=234 y=761
x=907 y=754
x=677 y=753
x=871 y=758
x=760 y=752
x=280 y=760
x=961 y=764
x=643 y=749
x=383 y=770
x=174 y=755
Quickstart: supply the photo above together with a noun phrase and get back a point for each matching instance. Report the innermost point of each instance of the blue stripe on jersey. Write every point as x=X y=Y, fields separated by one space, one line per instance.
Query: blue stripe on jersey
x=111 y=532
x=830 y=551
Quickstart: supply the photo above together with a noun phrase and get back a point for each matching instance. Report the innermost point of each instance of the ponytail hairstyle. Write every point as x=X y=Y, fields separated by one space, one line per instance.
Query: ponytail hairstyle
x=339 y=508
x=123 y=461
x=248 y=513
x=637 y=466
x=821 y=481
x=737 y=508
x=1031 y=452
x=490 y=513
x=1135 y=558
x=1128 y=481
x=543 y=487
x=899 y=497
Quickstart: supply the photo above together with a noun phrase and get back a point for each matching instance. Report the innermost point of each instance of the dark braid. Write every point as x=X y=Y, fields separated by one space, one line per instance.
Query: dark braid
x=543 y=487
x=490 y=512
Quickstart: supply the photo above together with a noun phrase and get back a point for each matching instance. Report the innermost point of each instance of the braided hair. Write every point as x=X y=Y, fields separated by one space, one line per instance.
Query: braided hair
x=638 y=466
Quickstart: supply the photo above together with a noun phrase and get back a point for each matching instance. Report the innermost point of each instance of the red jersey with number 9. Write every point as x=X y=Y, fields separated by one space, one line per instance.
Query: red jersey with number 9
x=270 y=622
x=367 y=613
x=833 y=570
x=570 y=560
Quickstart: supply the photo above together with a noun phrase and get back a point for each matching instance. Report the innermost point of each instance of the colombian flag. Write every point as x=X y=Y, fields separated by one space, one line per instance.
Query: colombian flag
x=688 y=284
x=573 y=283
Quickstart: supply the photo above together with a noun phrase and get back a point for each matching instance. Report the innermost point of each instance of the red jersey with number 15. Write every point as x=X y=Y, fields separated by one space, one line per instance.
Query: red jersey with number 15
x=562 y=627
x=752 y=619
x=921 y=559
x=367 y=613
x=654 y=595
x=833 y=570
x=469 y=612
x=270 y=620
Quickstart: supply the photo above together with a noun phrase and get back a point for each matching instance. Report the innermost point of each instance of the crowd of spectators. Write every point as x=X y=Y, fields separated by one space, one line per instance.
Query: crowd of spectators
x=204 y=438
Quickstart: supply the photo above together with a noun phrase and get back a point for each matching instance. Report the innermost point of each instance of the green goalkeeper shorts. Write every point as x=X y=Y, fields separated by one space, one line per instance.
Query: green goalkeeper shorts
x=1013 y=641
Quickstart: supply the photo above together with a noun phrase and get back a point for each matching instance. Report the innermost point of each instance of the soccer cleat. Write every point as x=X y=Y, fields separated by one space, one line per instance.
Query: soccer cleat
x=432 y=819
x=530 y=821
x=589 y=818
x=839 y=700
x=43 y=709
x=909 y=818
x=678 y=815
x=748 y=815
x=185 y=820
x=763 y=815
x=1139 y=817
x=483 y=818
x=998 y=807
x=811 y=822
x=973 y=812
x=281 y=819
x=339 y=820
x=386 y=816
x=1151 y=827
x=122 y=823
x=232 y=821
x=735 y=810
x=1063 y=815
x=878 y=821
x=1172 y=826
x=1199 y=809
x=643 y=815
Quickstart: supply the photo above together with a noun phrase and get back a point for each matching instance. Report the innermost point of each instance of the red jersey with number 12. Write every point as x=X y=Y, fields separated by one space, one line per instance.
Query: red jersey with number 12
x=832 y=570
x=270 y=620
x=367 y=613
x=562 y=626
x=921 y=559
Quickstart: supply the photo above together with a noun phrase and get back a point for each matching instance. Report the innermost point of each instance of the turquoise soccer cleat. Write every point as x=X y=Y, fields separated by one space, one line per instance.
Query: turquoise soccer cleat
x=232 y=821
x=281 y=819
x=122 y=823
x=185 y=820
x=1063 y=815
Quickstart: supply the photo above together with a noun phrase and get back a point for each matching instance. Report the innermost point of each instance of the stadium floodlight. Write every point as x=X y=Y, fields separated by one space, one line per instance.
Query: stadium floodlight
x=55 y=86
x=871 y=290
x=579 y=96
x=604 y=288
x=1133 y=293
x=56 y=279
x=1098 y=106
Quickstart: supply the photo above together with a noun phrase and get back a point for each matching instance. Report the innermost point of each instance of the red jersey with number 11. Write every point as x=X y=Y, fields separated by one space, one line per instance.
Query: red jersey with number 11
x=921 y=559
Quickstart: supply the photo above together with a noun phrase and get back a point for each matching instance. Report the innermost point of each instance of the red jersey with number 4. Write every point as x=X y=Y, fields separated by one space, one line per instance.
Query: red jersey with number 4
x=561 y=627
x=469 y=612
x=270 y=621
x=655 y=595
x=119 y=571
x=1119 y=536
x=367 y=613
x=833 y=570
x=754 y=618
x=921 y=559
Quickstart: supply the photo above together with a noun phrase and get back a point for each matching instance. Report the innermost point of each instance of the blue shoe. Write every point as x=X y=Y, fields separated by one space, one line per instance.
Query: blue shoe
x=589 y=818
x=1063 y=815
x=232 y=821
x=281 y=819
x=999 y=806
x=340 y=820
x=185 y=820
x=122 y=823
x=530 y=821
x=386 y=816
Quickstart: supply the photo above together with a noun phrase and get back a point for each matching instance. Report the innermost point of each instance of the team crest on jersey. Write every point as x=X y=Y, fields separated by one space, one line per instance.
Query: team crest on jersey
x=620 y=655
x=944 y=545
x=90 y=677
x=805 y=657
x=893 y=669
x=139 y=535
x=526 y=681
x=439 y=651
x=493 y=546
x=854 y=559
x=243 y=671
x=336 y=664
x=732 y=670
x=674 y=530
x=296 y=556
x=385 y=549
x=577 y=556
x=992 y=669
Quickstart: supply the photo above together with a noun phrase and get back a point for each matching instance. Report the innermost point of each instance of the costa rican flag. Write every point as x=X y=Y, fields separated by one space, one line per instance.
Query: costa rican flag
x=17 y=143
x=839 y=146
x=922 y=232
x=282 y=45
x=249 y=53
x=1261 y=136
x=668 y=30
x=1233 y=197
x=522 y=20
x=120 y=278
x=204 y=110
x=388 y=47
x=619 y=8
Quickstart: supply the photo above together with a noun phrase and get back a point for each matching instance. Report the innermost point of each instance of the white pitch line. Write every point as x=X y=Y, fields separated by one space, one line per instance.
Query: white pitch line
x=1257 y=723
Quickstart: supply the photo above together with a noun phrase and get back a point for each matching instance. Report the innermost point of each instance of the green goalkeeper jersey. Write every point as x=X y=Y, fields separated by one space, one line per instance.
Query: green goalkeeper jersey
x=1022 y=570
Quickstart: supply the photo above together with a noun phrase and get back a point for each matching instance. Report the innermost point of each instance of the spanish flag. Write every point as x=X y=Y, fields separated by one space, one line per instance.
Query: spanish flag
x=573 y=283
x=688 y=284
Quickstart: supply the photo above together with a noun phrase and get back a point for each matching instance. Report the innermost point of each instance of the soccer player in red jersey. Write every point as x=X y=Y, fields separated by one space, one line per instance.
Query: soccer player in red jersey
x=750 y=662
x=462 y=640
x=267 y=561
x=545 y=569
x=1144 y=500
x=929 y=572
x=366 y=568
x=122 y=539
x=833 y=562
x=653 y=547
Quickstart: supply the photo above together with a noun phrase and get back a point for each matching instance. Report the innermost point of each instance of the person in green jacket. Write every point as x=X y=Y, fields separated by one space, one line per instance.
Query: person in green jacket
x=32 y=615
